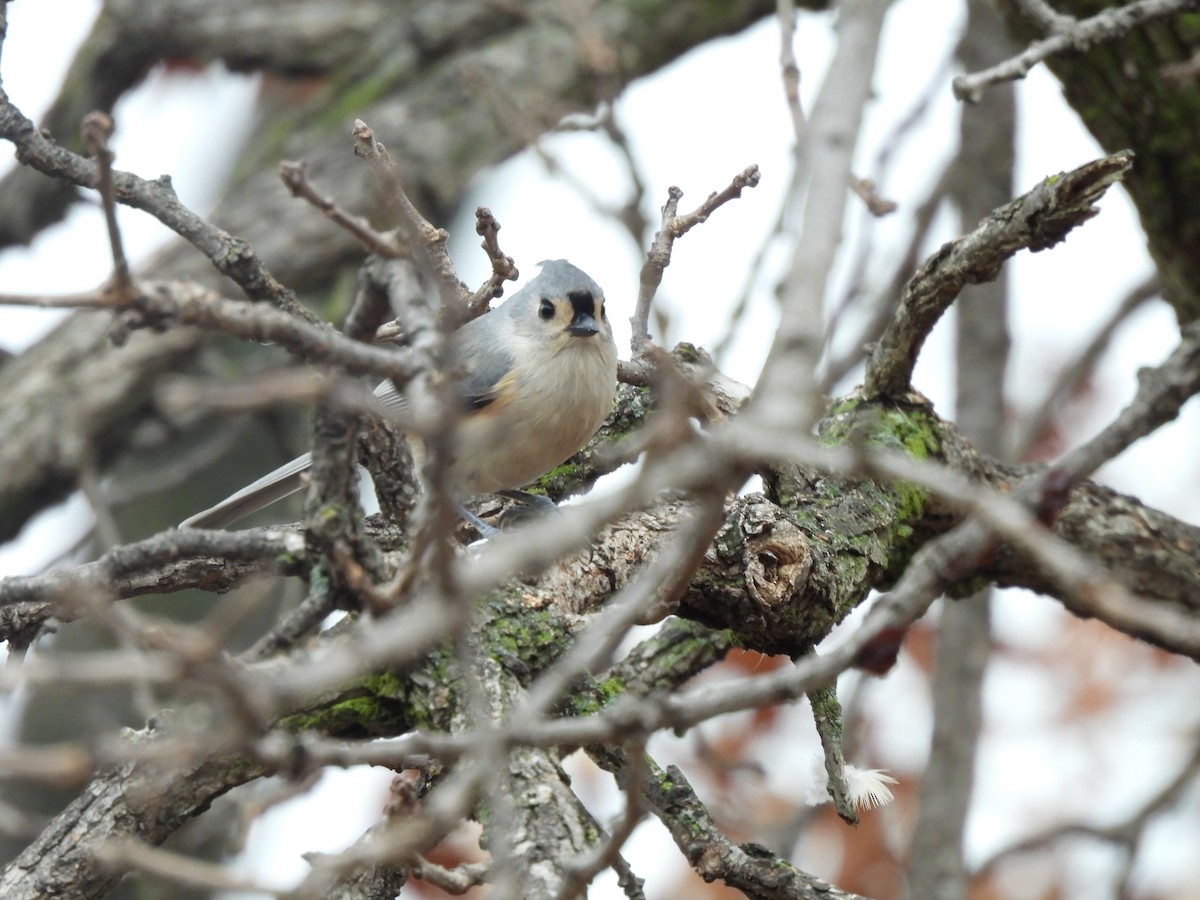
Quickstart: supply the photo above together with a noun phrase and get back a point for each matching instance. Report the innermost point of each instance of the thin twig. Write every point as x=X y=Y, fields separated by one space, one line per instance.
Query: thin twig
x=1050 y=20
x=1108 y=25
x=1064 y=385
x=251 y=809
x=231 y=256
x=877 y=205
x=182 y=398
x=456 y=880
x=416 y=230
x=1126 y=833
x=659 y=257
x=295 y=179
x=864 y=251
x=755 y=871
x=97 y=129
x=827 y=716
x=503 y=267
x=628 y=214
x=816 y=209
x=581 y=872
x=188 y=303
x=1161 y=393
x=789 y=69
x=883 y=304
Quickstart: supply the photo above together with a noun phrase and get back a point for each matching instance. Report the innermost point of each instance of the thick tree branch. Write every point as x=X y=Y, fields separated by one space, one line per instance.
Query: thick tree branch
x=1036 y=221
x=752 y=869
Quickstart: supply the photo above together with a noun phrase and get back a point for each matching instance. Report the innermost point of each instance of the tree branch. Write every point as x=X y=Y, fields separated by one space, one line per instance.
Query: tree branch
x=1069 y=34
x=1038 y=220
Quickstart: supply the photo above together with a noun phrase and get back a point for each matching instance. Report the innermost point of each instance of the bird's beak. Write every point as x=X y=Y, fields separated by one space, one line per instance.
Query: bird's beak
x=583 y=325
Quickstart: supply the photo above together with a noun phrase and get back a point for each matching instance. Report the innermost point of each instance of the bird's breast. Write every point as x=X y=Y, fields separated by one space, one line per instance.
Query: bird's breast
x=556 y=403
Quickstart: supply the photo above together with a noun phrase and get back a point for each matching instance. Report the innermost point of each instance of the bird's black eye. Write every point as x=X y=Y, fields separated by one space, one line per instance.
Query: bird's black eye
x=604 y=313
x=546 y=309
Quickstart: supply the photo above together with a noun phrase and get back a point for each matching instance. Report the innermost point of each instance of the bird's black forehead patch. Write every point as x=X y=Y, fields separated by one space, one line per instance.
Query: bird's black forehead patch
x=582 y=303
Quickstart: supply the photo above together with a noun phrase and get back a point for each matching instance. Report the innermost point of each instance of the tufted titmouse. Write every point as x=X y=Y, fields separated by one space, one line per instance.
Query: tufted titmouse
x=537 y=375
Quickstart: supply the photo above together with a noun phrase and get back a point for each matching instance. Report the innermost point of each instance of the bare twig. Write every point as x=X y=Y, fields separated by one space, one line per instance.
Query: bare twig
x=1050 y=20
x=187 y=303
x=416 y=230
x=827 y=715
x=864 y=251
x=293 y=626
x=97 y=129
x=648 y=598
x=436 y=509
x=659 y=257
x=1127 y=833
x=604 y=856
x=753 y=870
x=183 y=397
x=787 y=390
x=1161 y=393
x=978 y=180
x=1069 y=34
x=457 y=880
x=295 y=179
x=83 y=300
x=63 y=764
x=98 y=669
x=1064 y=384
x=1180 y=74
x=503 y=267
x=231 y=255
x=789 y=69
x=790 y=77
x=876 y=205
x=883 y=304
x=333 y=515
x=251 y=809
x=151 y=566
x=629 y=213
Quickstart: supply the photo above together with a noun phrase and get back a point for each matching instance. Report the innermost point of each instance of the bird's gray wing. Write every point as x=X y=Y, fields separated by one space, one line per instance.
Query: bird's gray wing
x=482 y=367
x=476 y=385
x=271 y=487
x=278 y=484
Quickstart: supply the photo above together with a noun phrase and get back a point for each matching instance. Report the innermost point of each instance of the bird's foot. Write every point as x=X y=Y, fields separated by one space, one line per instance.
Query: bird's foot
x=525 y=506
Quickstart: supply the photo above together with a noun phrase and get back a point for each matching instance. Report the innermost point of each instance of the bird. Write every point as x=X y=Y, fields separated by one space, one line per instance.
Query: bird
x=536 y=377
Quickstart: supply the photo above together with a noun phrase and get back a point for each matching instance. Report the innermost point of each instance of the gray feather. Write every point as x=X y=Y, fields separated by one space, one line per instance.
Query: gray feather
x=273 y=486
